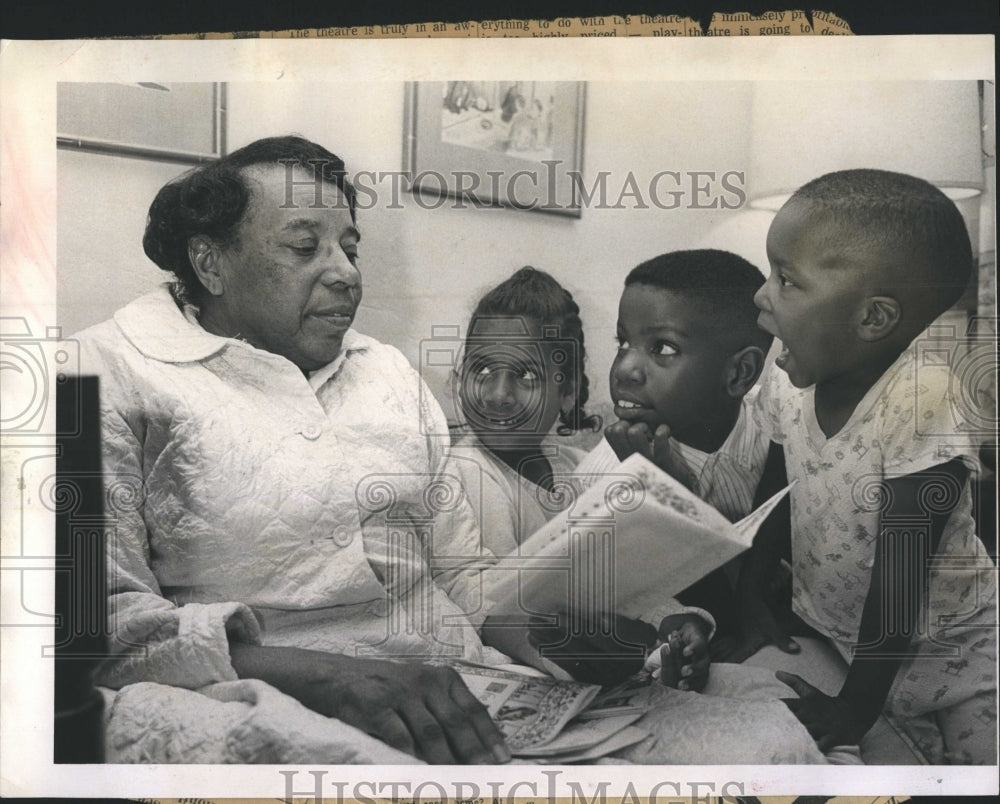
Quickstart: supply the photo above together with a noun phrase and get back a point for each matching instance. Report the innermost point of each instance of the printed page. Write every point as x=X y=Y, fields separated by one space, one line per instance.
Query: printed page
x=530 y=710
x=581 y=737
x=638 y=536
x=620 y=739
x=545 y=717
x=628 y=697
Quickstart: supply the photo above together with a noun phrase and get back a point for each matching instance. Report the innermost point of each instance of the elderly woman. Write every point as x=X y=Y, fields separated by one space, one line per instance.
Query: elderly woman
x=273 y=446
x=291 y=477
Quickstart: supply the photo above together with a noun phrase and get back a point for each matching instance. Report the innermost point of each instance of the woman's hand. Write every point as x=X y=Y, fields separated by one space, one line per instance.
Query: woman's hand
x=684 y=659
x=423 y=710
x=831 y=721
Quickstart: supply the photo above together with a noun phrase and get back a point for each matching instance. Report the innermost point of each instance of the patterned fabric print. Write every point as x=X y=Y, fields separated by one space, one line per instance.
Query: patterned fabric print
x=964 y=734
x=229 y=723
x=737 y=720
x=904 y=425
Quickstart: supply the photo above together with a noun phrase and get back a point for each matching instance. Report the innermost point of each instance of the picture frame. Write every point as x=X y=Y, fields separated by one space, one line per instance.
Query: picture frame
x=515 y=144
x=183 y=123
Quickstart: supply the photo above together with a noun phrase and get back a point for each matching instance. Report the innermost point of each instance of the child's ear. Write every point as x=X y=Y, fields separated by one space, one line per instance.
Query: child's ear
x=881 y=317
x=205 y=259
x=742 y=370
x=567 y=397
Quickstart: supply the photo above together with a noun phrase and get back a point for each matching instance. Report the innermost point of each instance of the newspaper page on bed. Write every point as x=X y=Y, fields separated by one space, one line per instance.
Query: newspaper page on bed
x=544 y=717
x=554 y=719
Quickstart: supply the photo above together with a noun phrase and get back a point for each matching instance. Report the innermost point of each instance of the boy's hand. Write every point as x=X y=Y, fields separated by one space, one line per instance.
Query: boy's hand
x=831 y=721
x=684 y=659
x=626 y=439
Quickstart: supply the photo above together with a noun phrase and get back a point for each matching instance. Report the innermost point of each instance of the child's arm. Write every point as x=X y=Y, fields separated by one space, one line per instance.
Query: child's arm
x=758 y=626
x=887 y=626
x=603 y=653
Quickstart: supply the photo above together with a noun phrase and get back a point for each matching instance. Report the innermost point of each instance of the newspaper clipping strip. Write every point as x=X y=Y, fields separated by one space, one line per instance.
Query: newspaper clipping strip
x=770 y=23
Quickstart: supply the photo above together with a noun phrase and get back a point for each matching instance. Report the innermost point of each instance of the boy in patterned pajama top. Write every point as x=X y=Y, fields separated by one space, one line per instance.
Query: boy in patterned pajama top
x=885 y=557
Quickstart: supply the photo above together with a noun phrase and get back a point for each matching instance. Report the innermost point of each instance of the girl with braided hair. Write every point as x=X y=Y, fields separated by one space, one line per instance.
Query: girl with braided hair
x=522 y=375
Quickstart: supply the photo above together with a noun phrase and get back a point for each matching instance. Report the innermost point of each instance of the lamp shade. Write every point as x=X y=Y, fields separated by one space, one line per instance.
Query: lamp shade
x=800 y=131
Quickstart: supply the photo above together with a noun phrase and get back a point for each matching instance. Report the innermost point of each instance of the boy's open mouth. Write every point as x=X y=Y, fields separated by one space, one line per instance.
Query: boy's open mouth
x=764 y=322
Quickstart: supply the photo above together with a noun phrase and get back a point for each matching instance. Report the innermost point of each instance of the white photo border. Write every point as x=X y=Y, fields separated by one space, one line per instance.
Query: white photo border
x=31 y=71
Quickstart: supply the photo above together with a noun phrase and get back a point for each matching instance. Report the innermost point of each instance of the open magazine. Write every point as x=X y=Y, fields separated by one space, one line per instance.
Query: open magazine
x=628 y=542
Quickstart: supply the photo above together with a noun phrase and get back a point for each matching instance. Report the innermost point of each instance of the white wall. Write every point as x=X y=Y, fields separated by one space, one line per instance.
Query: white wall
x=427 y=267
x=102 y=204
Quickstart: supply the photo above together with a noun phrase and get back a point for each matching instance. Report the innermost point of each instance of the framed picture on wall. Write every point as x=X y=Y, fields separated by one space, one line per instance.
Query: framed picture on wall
x=183 y=123
x=496 y=143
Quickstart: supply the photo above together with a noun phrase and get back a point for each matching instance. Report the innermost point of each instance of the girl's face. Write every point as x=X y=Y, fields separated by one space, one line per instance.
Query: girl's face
x=513 y=382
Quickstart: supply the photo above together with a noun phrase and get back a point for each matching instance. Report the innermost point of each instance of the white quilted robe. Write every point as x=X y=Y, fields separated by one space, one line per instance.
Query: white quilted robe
x=250 y=498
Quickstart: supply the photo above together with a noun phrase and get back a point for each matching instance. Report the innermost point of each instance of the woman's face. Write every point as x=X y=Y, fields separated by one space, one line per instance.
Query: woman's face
x=290 y=279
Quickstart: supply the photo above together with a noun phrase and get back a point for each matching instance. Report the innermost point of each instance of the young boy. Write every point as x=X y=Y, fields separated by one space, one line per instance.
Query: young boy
x=689 y=353
x=885 y=558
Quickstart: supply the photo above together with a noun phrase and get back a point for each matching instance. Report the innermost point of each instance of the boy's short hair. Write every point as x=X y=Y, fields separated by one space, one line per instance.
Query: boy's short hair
x=907 y=215
x=721 y=284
